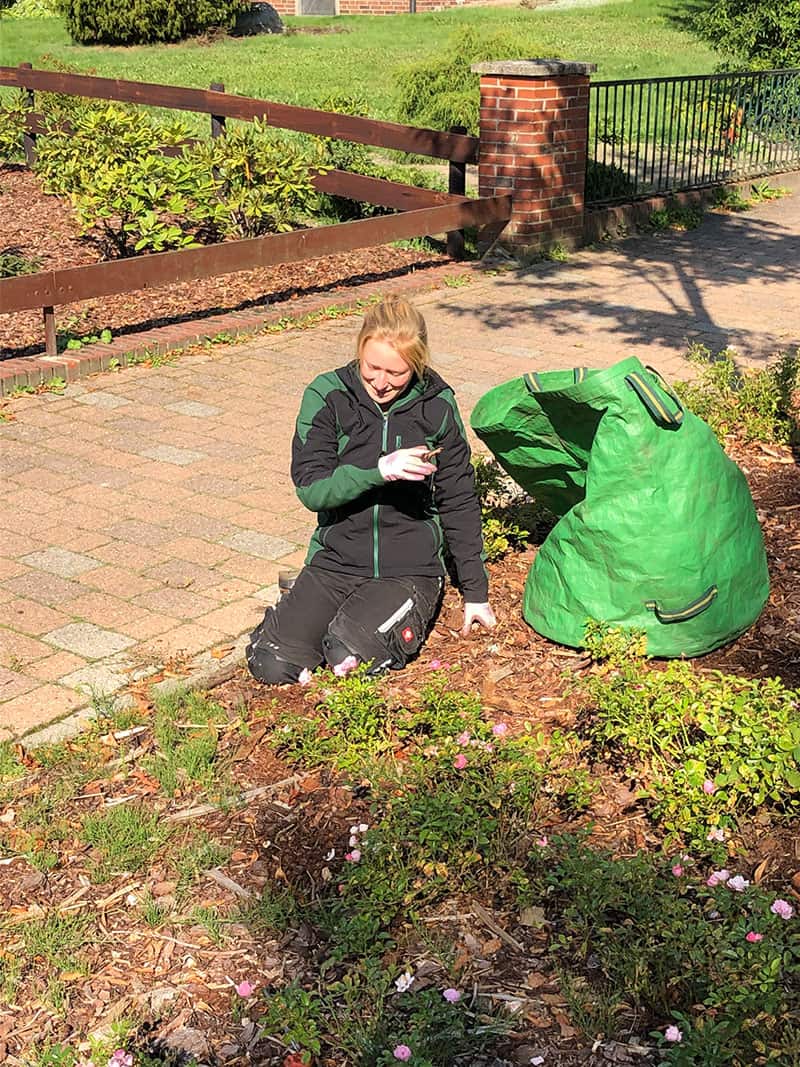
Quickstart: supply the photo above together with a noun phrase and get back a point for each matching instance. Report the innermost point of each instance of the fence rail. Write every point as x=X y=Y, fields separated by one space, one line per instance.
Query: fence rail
x=419 y=211
x=650 y=136
x=459 y=147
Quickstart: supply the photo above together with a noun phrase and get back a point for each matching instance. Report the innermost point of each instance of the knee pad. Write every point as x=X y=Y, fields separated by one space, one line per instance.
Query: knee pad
x=362 y=628
x=266 y=665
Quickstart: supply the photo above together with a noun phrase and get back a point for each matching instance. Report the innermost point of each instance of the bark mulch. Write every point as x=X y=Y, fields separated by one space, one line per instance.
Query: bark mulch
x=179 y=978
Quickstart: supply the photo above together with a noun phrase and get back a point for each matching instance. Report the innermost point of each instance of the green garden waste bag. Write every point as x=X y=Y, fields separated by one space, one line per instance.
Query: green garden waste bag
x=656 y=526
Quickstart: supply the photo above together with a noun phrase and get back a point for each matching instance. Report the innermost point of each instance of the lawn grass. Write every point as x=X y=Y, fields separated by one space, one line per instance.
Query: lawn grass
x=630 y=39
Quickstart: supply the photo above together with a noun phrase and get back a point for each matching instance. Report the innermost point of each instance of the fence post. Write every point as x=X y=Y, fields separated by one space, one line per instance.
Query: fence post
x=51 y=344
x=456 y=183
x=28 y=138
x=533 y=127
x=217 y=121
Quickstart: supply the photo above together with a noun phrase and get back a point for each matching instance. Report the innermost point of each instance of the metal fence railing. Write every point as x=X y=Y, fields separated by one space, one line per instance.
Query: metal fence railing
x=651 y=136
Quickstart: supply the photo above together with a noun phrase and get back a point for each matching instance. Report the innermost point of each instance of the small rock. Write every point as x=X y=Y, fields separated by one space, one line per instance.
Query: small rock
x=260 y=17
x=187 y=1039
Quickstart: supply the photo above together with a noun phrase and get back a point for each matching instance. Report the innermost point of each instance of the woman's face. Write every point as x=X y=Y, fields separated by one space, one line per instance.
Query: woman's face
x=384 y=372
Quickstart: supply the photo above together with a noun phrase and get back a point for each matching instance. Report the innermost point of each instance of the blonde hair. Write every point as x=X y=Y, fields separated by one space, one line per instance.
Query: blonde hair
x=398 y=323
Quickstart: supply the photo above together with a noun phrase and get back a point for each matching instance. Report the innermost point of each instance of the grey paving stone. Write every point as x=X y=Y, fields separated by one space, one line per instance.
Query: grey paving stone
x=48 y=589
x=264 y=546
x=101 y=400
x=195 y=409
x=60 y=561
x=87 y=640
x=180 y=457
x=99 y=679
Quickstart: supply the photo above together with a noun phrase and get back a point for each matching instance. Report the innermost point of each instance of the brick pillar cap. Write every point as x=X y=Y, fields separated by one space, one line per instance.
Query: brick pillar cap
x=533 y=68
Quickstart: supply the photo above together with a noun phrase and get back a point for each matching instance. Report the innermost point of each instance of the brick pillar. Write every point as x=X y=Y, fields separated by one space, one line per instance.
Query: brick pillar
x=534 y=120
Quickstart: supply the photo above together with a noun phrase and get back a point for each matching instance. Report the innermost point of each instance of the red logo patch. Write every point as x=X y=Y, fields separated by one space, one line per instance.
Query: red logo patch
x=408 y=634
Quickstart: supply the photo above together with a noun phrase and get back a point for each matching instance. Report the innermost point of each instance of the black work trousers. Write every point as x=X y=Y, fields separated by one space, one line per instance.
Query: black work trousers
x=327 y=616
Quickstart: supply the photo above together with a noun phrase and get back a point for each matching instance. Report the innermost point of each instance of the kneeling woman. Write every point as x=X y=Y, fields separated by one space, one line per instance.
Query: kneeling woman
x=380 y=454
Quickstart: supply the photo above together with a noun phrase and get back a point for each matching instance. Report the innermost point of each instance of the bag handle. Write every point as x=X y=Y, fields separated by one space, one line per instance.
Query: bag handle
x=659 y=411
x=692 y=610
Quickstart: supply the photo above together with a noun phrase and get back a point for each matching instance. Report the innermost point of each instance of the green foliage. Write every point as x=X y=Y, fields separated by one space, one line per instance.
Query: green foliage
x=31 y=9
x=676 y=217
x=126 y=838
x=706 y=749
x=606 y=181
x=351 y=156
x=643 y=947
x=130 y=197
x=145 y=21
x=503 y=508
x=13 y=113
x=10 y=766
x=198 y=854
x=754 y=34
x=443 y=92
x=755 y=405
x=185 y=730
x=55 y=938
x=613 y=644
x=295 y=1016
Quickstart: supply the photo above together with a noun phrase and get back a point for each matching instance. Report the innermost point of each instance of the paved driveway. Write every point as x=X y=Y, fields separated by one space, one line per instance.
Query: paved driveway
x=146 y=513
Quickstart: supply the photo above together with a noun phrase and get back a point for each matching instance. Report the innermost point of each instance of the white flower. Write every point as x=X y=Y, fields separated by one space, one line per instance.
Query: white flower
x=353 y=829
x=404 y=981
x=363 y=827
x=737 y=883
x=330 y=855
x=353 y=840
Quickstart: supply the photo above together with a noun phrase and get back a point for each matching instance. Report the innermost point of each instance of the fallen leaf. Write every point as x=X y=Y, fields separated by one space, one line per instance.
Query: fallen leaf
x=221 y=653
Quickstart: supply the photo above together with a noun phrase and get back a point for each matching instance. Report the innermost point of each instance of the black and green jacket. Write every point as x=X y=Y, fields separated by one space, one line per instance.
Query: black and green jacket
x=387 y=529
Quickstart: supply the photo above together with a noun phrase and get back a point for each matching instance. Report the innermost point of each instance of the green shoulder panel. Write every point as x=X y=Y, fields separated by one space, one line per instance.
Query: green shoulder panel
x=314 y=400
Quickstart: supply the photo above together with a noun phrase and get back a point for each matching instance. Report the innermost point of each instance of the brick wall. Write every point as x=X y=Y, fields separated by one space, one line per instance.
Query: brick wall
x=533 y=122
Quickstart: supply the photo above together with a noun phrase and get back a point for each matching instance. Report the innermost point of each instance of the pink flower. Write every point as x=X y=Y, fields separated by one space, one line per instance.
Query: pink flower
x=245 y=989
x=499 y=729
x=782 y=908
x=402 y=1052
x=753 y=937
x=349 y=663
x=709 y=787
x=435 y=664
x=460 y=761
x=305 y=676
x=672 y=1033
x=354 y=856
x=717 y=876
x=121 y=1058
x=737 y=883
x=541 y=841
x=452 y=996
x=717 y=834
x=463 y=739
x=677 y=870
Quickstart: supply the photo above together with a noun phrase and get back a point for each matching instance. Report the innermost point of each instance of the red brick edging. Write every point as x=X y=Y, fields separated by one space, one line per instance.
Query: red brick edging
x=26 y=371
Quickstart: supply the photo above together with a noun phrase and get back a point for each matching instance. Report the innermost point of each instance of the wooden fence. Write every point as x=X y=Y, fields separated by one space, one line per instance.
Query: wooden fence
x=420 y=211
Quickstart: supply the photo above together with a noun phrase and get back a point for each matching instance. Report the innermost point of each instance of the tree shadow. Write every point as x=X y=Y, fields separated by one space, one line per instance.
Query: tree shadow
x=679 y=269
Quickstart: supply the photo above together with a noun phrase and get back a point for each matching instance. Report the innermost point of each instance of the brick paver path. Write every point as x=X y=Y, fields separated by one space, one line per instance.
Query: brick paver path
x=146 y=514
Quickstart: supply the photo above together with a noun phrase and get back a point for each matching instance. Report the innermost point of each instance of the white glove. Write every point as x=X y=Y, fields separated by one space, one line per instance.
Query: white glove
x=480 y=613
x=406 y=464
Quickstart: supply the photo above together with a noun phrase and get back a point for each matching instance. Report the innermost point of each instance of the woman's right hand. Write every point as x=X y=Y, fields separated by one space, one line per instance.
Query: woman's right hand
x=406 y=464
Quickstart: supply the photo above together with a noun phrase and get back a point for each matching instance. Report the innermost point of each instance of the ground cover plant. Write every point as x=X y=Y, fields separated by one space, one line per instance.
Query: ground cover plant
x=509 y=851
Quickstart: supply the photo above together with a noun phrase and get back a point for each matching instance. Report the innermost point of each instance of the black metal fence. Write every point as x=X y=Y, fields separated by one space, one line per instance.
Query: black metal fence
x=651 y=136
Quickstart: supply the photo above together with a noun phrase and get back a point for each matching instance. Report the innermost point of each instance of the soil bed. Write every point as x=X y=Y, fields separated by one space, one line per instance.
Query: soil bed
x=177 y=973
x=44 y=227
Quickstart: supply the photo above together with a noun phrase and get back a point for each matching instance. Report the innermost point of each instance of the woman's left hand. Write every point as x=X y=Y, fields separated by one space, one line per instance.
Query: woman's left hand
x=480 y=613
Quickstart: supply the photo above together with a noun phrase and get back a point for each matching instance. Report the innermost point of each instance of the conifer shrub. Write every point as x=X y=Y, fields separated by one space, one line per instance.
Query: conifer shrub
x=146 y=21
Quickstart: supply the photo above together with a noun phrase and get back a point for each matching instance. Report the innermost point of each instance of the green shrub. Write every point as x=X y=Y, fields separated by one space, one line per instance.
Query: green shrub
x=12 y=126
x=145 y=21
x=13 y=263
x=504 y=506
x=756 y=405
x=443 y=92
x=706 y=749
x=753 y=34
x=642 y=946
x=31 y=9
x=130 y=197
x=348 y=155
x=605 y=181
